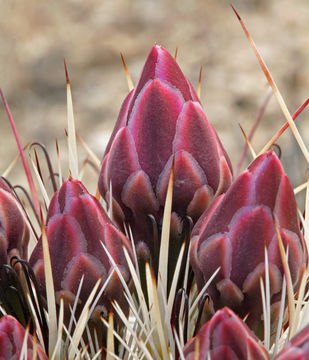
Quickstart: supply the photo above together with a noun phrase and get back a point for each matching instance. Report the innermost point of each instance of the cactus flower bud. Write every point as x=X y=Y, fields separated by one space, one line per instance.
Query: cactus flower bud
x=12 y=336
x=14 y=234
x=225 y=336
x=234 y=232
x=162 y=124
x=297 y=348
x=76 y=227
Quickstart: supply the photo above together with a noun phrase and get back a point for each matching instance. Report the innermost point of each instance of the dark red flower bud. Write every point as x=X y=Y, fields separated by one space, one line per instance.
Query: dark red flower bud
x=234 y=232
x=227 y=337
x=297 y=348
x=12 y=336
x=14 y=234
x=76 y=228
x=162 y=124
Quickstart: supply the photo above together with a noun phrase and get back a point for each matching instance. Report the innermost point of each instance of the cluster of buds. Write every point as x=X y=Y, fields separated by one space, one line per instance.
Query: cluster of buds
x=162 y=133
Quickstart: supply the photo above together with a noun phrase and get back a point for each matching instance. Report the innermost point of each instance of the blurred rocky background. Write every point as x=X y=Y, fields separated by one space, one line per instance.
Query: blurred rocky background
x=35 y=36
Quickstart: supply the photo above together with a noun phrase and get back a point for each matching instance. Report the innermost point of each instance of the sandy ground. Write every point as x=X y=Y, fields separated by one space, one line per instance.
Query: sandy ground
x=36 y=36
